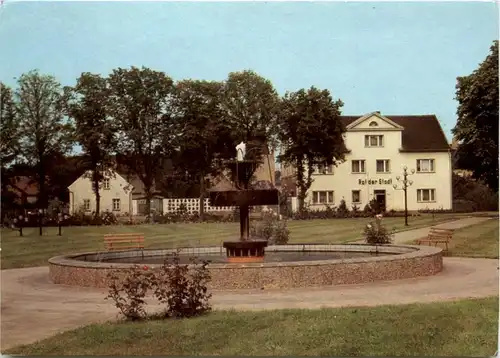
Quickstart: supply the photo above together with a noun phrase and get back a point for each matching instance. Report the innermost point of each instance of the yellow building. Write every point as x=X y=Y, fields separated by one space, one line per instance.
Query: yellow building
x=379 y=148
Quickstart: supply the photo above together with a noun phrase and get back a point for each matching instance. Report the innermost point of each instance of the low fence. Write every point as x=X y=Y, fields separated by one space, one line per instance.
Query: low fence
x=192 y=205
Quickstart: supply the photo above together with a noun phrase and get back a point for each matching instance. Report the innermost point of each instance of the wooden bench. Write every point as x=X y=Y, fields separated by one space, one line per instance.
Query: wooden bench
x=114 y=242
x=437 y=236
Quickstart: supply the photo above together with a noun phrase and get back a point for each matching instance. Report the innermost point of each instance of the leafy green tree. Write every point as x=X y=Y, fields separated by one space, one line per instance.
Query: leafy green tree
x=477 y=126
x=140 y=105
x=93 y=128
x=40 y=103
x=204 y=140
x=311 y=134
x=9 y=143
x=10 y=133
x=250 y=106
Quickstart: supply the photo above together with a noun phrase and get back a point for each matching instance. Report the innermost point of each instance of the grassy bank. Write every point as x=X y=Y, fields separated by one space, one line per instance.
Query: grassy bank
x=462 y=328
x=479 y=240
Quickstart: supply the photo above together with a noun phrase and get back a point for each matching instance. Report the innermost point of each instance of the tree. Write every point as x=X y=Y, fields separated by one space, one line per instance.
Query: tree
x=250 y=107
x=9 y=134
x=40 y=103
x=9 y=143
x=93 y=128
x=204 y=141
x=477 y=126
x=140 y=104
x=311 y=133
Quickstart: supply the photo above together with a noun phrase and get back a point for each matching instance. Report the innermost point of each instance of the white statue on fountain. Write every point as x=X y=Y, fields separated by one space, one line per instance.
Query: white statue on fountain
x=241 y=150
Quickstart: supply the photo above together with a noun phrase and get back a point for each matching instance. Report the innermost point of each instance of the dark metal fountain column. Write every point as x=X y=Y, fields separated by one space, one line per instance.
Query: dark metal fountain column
x=240 y=193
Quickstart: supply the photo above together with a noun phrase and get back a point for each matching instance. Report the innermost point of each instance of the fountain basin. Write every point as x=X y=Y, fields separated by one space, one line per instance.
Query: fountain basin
x=385 y=262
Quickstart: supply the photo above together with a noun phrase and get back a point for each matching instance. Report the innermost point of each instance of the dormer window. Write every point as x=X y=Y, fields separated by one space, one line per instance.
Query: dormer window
x=373 y=124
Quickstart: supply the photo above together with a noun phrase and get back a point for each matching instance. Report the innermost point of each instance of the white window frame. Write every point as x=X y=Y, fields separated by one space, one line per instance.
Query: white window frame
x=359 y=196
x=328 y=196
x=115 y=206
x=430 y=164
x=379 y=139
x=105 y=184
x=387 y=166
x=373 y=124
x=323 y=169
x=431 y=194
x=361 y=166
x=86 y=204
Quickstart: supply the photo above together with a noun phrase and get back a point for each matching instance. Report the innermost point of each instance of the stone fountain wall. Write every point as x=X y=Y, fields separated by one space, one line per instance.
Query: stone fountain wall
x=409 y=262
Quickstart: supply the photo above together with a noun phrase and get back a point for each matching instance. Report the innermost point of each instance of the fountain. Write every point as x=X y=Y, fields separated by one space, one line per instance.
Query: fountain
x=244 y=264
x=243 y=193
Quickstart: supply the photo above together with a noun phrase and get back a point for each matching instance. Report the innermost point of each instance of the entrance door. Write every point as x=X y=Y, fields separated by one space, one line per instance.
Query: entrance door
x=380 y=197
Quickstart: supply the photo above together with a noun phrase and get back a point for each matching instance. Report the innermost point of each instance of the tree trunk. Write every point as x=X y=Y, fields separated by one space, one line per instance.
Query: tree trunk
x=95 y=182
x=202 y=197
x=301 y=195
x=42 y=195
x=303 y=182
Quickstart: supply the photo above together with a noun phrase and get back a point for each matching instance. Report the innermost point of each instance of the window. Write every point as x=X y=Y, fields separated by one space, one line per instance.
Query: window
x=383 y=166
x=425 y=165
x=358 y=166
x=374 y=140
x=105 y=184
x=426 y=195
x=86 y=204
x=322 y=197
x=356 y=196
x=373 y=124
x=323 y=169
x=116 y=204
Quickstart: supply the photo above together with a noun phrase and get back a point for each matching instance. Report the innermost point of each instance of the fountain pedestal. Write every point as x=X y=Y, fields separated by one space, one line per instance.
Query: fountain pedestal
x=240 y=193
x=245 y=251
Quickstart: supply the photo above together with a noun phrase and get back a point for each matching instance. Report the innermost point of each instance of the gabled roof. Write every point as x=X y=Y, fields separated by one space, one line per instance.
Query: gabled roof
x=421 y=133
x=370 y=115
x=87 y=172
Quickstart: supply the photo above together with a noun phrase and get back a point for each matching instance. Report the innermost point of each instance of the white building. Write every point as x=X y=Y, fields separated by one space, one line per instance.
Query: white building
x=379 y=148
x=115 y=192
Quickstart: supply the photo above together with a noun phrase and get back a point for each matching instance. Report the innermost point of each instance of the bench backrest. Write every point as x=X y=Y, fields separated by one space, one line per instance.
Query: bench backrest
x=124 y=241
x=438 y=233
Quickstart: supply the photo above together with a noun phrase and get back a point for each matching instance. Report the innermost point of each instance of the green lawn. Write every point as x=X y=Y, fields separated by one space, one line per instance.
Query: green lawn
x=33 y=250
x=461 y=328
x=479 y=240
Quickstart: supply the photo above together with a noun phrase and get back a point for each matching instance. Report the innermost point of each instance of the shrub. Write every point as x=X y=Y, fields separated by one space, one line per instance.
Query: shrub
x=183 y=289
x=376 y=233
x=342 y=210
x=129 y=294
x=355 y=211
x=270 y=228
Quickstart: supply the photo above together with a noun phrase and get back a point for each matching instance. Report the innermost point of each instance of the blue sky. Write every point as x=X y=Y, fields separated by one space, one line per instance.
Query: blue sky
x=398 y=58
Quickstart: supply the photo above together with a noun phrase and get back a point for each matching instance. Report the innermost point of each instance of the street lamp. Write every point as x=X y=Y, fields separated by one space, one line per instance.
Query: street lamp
x=40 y=221
x=61 y=220
x=20 y=223
x=405 y=183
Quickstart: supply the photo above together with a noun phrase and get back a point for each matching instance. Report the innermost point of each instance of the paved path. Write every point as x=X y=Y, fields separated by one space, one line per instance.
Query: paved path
x=33 y=308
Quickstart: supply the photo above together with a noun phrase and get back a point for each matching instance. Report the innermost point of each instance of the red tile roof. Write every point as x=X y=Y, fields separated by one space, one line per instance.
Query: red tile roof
x=422 y=133
x=25 y=185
